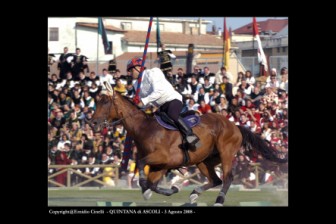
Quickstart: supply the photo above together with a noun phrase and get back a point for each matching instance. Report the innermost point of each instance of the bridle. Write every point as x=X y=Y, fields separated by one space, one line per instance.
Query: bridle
x=108 y=124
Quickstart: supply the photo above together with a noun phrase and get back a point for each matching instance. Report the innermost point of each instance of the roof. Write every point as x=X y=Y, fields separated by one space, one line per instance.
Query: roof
x=129 y=55
x=173 y=38
x=163 y=19
x=271 y=24
x=283 y=32
x=95 y=25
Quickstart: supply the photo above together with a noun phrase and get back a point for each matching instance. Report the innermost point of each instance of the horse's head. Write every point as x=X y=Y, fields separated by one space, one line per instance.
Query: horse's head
x=104 y=108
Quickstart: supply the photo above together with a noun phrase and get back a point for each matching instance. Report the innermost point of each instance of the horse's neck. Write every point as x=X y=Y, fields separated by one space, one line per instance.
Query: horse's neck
x=133 y=116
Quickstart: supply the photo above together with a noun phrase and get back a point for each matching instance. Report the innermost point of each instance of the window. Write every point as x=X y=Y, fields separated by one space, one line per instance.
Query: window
x=278 y=49
x=283 y=49
x=111 y=48
x=126 y=25
x=53 y=34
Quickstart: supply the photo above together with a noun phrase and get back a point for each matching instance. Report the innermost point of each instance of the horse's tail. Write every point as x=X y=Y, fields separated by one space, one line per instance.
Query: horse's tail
x=257 y=143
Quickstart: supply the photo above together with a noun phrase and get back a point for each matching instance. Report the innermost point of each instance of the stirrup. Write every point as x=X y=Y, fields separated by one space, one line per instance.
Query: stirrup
x=194 y=139
x=194 y=144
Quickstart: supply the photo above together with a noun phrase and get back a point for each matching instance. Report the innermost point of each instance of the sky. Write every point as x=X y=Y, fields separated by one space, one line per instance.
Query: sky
x=233 y=22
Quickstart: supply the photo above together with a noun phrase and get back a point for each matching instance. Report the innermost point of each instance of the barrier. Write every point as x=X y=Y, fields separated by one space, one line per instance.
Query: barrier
x=71 y=169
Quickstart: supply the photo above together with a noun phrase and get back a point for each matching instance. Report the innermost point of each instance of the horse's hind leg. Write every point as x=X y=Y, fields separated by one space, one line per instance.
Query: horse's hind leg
x=207 y=168
x=226 y=157
x=221 y=196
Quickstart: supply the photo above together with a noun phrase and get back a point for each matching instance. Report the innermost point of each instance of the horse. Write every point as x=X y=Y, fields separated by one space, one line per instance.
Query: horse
x=161 y=148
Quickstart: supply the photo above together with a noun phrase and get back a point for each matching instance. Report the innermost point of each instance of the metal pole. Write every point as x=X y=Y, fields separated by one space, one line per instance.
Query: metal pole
x=75 y=36
x=97 y=48
x=236 y=52
x=144 y=56
x=128 y=140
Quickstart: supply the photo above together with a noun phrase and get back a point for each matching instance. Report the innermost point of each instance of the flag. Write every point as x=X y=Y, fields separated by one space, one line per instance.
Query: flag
x=158 y=40
x=227 y=46
x=102 y=32
x=261 y=55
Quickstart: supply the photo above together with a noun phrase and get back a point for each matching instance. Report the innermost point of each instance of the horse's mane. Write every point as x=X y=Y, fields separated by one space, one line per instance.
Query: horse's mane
x=104 y=98
x=129 y=100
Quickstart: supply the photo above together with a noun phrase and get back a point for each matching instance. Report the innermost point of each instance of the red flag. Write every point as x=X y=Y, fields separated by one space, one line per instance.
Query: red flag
x=261 y=55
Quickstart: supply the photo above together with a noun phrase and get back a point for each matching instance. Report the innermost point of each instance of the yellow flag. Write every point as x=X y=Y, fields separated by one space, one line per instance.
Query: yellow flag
x=227 y=46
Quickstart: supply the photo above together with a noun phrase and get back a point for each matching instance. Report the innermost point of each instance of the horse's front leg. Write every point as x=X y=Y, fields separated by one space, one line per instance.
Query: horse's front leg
x=155 y=159
x=142 y=177
x=154 y=178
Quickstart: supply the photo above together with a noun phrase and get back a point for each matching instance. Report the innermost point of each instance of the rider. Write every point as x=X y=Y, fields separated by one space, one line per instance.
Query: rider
x=157 y=90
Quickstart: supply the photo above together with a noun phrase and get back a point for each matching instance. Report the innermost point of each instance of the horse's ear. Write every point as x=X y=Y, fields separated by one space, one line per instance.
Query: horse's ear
x=109 y=88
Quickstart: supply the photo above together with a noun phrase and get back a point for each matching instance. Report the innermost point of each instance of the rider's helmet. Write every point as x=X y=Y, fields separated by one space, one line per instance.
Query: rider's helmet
x=136 y=61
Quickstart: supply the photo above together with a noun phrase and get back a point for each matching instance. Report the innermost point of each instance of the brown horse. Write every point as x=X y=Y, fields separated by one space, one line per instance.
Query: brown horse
x=161 y=148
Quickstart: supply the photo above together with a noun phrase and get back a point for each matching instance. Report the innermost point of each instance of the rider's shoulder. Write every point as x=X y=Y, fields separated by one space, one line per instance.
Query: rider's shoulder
x=153 y=71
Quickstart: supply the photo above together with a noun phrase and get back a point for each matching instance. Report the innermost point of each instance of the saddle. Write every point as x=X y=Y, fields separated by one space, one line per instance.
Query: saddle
x=189 y=117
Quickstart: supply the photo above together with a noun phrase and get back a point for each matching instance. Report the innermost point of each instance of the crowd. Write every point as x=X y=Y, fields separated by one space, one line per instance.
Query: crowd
x=259 y=104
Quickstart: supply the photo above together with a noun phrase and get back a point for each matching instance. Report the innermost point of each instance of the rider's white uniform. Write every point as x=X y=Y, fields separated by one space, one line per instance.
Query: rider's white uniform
x=155 y=88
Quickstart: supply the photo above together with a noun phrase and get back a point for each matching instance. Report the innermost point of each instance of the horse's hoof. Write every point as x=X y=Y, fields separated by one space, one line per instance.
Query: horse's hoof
x=218 y=205
x=193 y=198
x=176 y=188
x=147 y=194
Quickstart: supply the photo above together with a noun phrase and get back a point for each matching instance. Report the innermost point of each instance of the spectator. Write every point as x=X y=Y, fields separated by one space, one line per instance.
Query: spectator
x=94 y=90
x=181 y=75
x=89 y=101
x=62 y=159
x=75 y=132
x=195 y=86
x=207 y=74
x=56 y=82
x=219 y=76
x=82 y=79
x=130 y=90
x=61 y=143
x=273 y=83
x=202 y=95
x=249 y=78
x=256 y=96
x=93 y=78
x=106 y=77
x=284 y=80
x=240 y=76
x=165 y=57
x=270 y=96
x=244 y=121
x=226 y=88
x=79 y=63
x=191 y=105
x=69 y=82
x=196 y=73
x=63 y=65
x=245 y=87
x=207 y=86
x=223 y=104
x=120 y=88
x=204 y=108
x=171 y=78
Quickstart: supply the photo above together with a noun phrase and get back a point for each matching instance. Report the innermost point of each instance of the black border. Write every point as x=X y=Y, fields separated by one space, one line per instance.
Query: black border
x=37 y=113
